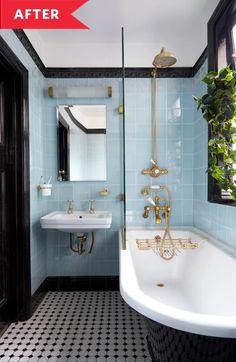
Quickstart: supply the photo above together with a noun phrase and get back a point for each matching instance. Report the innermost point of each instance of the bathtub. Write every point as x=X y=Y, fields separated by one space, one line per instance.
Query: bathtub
x=193 y=293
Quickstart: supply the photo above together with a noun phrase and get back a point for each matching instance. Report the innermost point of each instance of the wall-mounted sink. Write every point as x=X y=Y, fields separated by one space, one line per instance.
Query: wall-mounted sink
x=78 y=222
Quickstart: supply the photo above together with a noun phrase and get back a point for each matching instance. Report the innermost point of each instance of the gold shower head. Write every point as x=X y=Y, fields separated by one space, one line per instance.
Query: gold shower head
x=164 y=59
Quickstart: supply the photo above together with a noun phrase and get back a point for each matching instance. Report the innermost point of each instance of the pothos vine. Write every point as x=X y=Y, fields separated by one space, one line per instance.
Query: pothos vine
x=219 y=109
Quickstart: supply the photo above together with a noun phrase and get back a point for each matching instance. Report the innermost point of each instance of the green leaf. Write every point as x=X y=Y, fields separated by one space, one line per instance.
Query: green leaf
x=218 y=108
x=228 y=160
x=211 y=142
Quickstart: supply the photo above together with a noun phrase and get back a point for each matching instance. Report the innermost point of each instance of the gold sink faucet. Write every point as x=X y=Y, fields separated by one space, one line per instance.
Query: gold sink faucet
x=70 y=209
x=91 y=207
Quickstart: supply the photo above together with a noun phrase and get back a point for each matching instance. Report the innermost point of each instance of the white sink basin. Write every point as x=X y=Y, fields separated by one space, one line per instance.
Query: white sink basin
x=79 y=221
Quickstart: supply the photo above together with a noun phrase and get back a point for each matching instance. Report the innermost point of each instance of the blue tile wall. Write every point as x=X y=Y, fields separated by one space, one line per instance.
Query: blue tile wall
x=181 y=148
x=217 y=220
x=38 y=205
x=61 y=261
x=175 y=111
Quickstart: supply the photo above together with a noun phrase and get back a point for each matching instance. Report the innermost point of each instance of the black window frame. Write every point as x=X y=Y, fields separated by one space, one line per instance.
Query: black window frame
x=222 y=20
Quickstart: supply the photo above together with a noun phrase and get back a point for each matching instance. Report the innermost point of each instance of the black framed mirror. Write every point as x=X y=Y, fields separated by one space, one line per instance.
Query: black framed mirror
x=81 y=142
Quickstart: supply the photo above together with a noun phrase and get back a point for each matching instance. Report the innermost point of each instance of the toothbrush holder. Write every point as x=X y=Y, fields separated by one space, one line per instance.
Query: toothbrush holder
x=45 y=189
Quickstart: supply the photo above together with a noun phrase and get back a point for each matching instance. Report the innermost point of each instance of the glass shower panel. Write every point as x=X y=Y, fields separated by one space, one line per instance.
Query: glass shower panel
x=123 y=181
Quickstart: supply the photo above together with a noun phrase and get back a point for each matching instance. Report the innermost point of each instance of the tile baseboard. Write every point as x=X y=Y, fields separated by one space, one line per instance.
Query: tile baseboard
x=81 y=283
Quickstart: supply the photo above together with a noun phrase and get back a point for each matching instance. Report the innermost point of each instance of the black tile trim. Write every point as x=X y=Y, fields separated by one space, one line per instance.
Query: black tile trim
x=200 y=61
x=83 y=72
x=3 y=327
x=178 y=72
x=174 y=72
x=30 y=49
x=83 y=283
x=117 y=73
x=38 y=296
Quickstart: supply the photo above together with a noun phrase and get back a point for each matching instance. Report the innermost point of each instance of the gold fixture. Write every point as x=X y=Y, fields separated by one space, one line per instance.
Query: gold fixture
x=109 y=91
x=81 y=239
x=50 y=92
x=104 y=192
x=91 y=207
x=121 y=109
x=162 y=60
x=121 y=197
x=155 y=171
x=157 y=204
x=148 y=244
x=81 y=242
x=80 y=92
x=157 y=208
x=70 y=209
x=166 y=248
x=145 y=191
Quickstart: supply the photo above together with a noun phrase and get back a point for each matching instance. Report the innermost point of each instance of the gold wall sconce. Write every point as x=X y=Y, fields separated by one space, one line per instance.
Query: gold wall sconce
x=80 y=92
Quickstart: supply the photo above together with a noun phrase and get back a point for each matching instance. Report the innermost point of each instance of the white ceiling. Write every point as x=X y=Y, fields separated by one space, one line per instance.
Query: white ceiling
x=179 y=25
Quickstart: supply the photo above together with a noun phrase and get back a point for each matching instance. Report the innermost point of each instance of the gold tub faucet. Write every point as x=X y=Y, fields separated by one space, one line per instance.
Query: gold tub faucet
x=158 y=204
x=155 y=207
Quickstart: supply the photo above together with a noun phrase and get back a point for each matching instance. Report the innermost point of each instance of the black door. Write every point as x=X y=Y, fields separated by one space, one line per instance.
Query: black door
x=8 y=248
x=15 y=296
x=3 y=177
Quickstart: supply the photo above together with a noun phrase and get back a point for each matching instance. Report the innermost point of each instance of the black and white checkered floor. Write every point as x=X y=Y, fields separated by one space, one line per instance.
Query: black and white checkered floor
x=78 y=327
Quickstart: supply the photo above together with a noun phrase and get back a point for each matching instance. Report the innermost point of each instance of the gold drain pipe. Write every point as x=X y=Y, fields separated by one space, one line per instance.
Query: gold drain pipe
x=81 y=240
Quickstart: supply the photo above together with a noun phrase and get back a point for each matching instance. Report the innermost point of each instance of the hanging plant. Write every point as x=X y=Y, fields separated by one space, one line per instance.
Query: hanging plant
x=219 y=109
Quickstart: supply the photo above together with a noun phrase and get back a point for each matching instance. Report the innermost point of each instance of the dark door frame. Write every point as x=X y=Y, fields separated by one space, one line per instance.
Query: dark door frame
x=19 y=279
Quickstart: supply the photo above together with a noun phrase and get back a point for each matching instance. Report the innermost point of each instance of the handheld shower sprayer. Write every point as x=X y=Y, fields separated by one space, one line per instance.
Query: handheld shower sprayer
x=151 y=201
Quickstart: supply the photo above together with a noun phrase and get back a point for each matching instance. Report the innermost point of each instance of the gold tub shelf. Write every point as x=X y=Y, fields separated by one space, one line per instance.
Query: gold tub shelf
x=166 y=248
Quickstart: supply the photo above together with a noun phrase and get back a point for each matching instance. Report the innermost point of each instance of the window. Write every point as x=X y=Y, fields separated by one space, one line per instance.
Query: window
x=222 y=52
x=234 y=45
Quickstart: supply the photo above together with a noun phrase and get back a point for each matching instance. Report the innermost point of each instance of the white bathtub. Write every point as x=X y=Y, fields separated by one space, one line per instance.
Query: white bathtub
x=199 y=295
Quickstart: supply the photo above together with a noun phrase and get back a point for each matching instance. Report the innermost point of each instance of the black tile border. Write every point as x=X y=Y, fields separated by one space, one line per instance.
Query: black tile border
x=73 y=284
x=117 y=73
x=38 y=296
x=3 y=328
x=200 y=61
x=83 y=283
x=175 y=72
x=30 y=49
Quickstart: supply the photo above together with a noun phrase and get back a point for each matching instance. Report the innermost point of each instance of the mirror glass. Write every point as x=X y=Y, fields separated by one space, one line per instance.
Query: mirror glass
x=81 y=131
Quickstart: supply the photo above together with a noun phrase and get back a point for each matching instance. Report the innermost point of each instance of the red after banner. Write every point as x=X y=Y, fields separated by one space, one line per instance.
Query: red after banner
x=40 y=14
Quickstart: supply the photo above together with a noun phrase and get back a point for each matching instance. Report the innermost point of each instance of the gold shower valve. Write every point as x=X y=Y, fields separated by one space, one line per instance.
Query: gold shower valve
x=155 y=171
